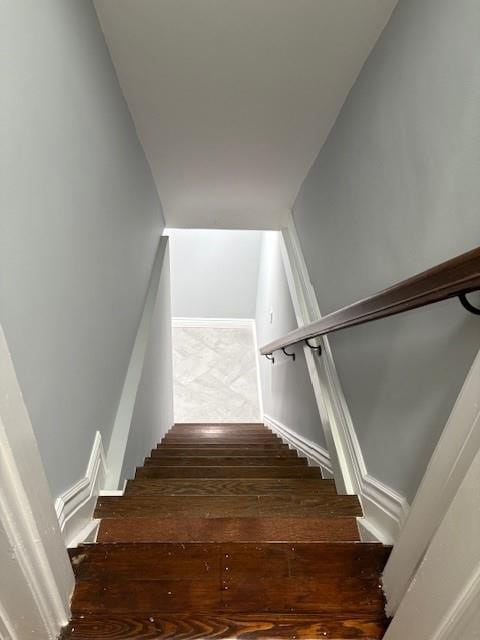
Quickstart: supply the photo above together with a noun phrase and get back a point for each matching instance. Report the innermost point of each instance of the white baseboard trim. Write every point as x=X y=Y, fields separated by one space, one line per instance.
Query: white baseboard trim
x=316 y=455
x=213 y=323
x=114 y=492
x=75 y=506
x=384 y=509
x=123 y=419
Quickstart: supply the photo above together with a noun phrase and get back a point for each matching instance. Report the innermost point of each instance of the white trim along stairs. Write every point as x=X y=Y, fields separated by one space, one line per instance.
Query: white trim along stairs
x=36 y=577
x=385 y=509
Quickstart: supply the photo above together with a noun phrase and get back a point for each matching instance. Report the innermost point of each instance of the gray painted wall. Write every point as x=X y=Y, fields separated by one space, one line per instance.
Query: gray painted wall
x=286 y=388
x=153 y=411
x=394 y=191
x=79 y=225
x=214 y=272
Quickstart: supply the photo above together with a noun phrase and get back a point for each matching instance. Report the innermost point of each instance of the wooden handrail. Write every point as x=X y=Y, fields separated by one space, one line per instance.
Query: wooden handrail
x=449 y=279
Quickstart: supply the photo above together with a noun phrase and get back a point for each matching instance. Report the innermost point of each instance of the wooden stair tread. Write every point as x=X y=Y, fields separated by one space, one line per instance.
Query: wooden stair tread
x=216 y=429
x=229 y=487
x=197 y=560
x=227 y=461
x=165 y=451
x=278 y=444
x=214 y=435
x=228 y=530
x=292 y=471
x=188 y=440
x=227 y=507
x=233 y=592
x=153 y=625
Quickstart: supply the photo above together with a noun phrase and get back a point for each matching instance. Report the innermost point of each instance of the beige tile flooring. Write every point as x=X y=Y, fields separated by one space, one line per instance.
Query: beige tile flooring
x=215 y=375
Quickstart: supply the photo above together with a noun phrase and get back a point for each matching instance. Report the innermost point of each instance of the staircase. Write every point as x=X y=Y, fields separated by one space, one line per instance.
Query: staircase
x=225 y=532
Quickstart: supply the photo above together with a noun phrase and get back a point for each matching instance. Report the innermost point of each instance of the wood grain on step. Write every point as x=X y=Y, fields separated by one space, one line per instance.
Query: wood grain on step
x=234 y=592
x=229 y=487
x=226 y=533
x=227 y=442
x=233 y=426
x=153 y=625
x=227 y=461
x=292 y=471
x=196 y=560
x=169 y=452
x=205 y=429
x=277 y=445
x=228 y=507
x=228 y=530
x=216 y=434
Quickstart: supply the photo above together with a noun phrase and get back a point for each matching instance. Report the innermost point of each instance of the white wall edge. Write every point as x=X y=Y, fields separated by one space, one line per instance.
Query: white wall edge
x=76 y=505
x=88 y=533
x=443 y=598
x=7 y=629
x=123 y=418
x=464 y=611
x=40 y=568
x=257 y=365
x=316 y=455
x=384 y=509
x=455 y=450
x=213 y=323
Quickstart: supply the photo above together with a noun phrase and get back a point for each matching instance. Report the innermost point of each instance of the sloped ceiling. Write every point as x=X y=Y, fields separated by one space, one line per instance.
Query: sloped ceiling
x=233 y=99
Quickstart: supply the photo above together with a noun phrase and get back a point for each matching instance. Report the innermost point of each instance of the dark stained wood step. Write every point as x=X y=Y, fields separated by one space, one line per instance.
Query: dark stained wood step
x=153 y=625
x=277 y=445
x=217 y=434
x=228 y=530
x=177 y=429
x=227 y=536
x=220 y=429
x=291 y=471
x=208 y=433
x=168 y=452
x=229 y=487
x=226 y=441
x=194 y=560
x=234 y=592
x=219 y=424
x=226 y=461
x=227 y=507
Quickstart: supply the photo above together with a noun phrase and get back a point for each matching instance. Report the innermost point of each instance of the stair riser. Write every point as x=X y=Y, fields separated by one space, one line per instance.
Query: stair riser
x=233 y=594
x=218 y=461
x=225 y=507
x=226 y=487
x=189 y=452
x=293 y=471
x=277 y=445
x=188 y=561
x=262 y=530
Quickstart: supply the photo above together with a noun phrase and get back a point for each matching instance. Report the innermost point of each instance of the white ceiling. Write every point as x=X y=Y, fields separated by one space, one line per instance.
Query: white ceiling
x=233 y=99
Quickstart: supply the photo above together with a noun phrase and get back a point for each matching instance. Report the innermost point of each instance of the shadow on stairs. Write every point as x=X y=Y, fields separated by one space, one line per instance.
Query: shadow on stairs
x=225 y=532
